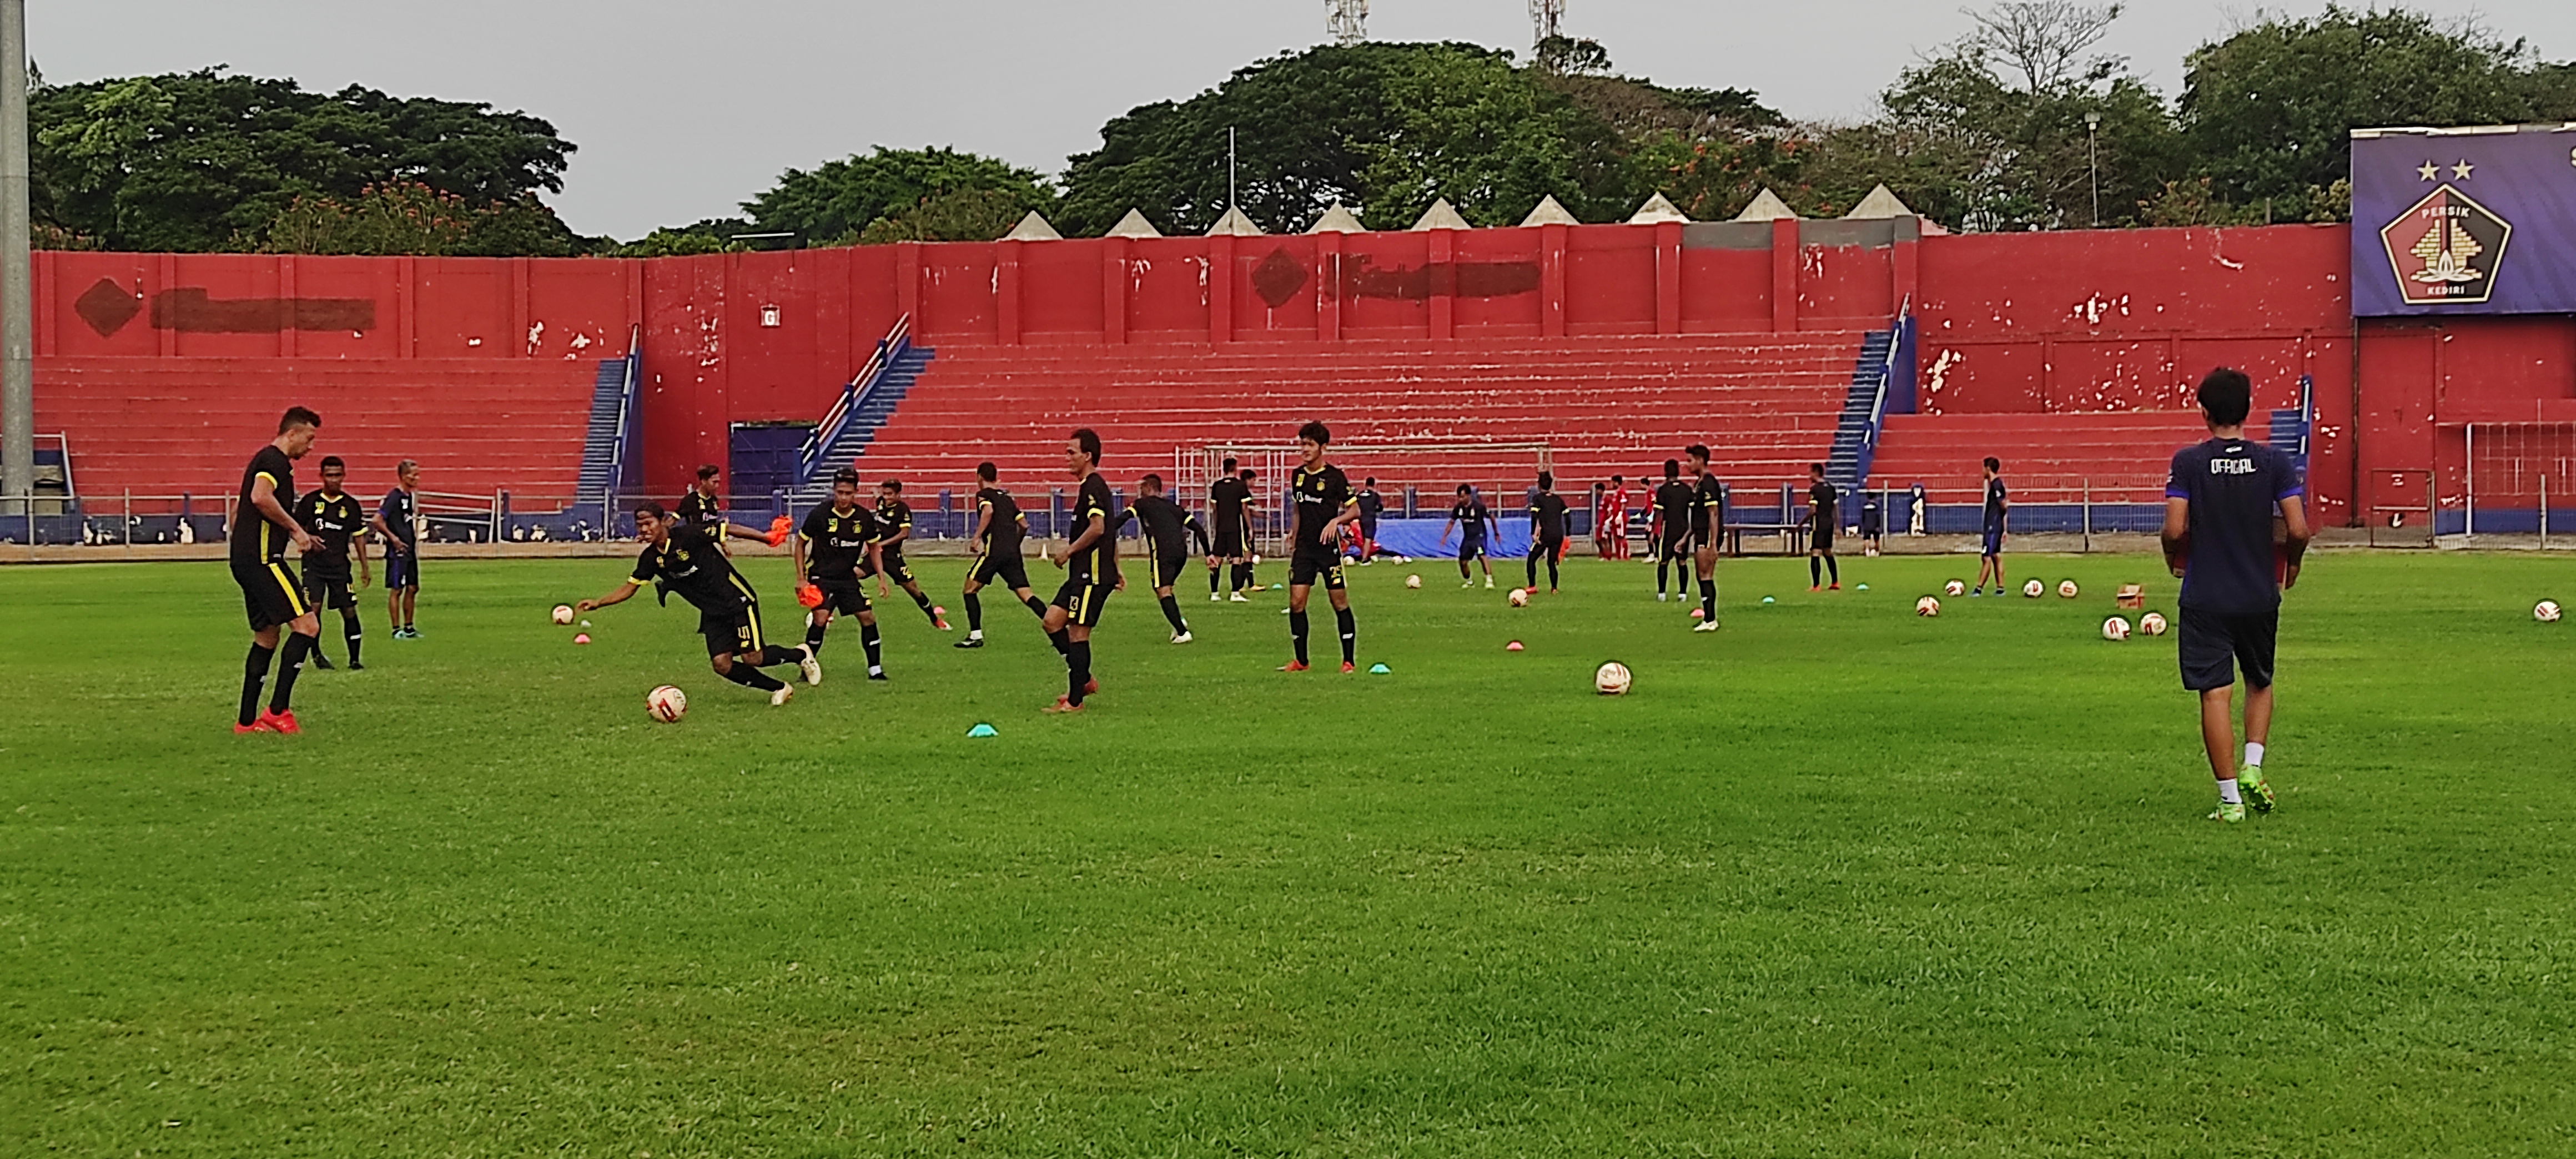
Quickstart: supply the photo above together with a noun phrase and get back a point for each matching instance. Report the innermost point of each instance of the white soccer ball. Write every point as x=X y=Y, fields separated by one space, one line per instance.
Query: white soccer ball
x=1611 y=679
x=2034 y=589
x=2153 y=623
x=2115 y=628
x=1413 y=581
x=2546 y=611
x=1954 y=588
x=563 y=613
x=2066 y=588
x=1927 y=606
x=666 y=704
x=1520 y=597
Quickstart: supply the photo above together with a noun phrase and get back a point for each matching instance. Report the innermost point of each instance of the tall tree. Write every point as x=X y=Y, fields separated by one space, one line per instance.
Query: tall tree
x=835 y=201
x=193 y=161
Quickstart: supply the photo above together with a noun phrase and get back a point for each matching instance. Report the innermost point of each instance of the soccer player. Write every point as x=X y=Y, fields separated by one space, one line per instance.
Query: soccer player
x=1090 y=563
x=1990 y=557
x=1872 y=522
x=1610 y=526
x=397 y=519
x=336 y=522
x=1469 y=518
x=702 y=508
x=999 y=528
x=1372 y=505
x=894 y=525
x=681 y=557
x=1669 y=529
x=2220 y=503
x=1324 y=504
x=1821 y=498
x=1167 y=531
x=1230 y=507
x=1707 y=526
x=1547 y=530
x=836 y=539
x=261 y=529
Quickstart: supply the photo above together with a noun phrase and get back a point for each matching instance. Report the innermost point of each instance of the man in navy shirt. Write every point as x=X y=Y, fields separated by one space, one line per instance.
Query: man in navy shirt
x=397 y=521
x=1469 y=518
x=1991 y=551
x=2220 y=508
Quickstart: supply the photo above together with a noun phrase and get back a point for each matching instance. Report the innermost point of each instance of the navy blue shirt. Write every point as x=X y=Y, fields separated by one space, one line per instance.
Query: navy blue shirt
x=1470 y=514
x=1995 y=504
x=2234 y=487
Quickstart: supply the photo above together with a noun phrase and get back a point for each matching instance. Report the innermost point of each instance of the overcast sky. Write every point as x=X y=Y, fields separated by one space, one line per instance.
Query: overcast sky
x=683 y=110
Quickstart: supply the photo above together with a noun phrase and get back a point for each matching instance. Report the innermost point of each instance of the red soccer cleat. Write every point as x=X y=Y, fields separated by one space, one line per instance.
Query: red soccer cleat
x=256 y=726
x=1063 y=705
x=1293 y=666
x=1348 y=668
x=1834 y=587
x=275 y=721
x=1091 y=687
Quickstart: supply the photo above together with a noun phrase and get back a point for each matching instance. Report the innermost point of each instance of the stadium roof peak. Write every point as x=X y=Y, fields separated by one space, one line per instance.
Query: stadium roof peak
x=1337 y=220
x=1133 y=225
x=1441 y=215
x=1034 y=227
x=1767 y=206
x=1548 y=212
x=1235 y=224
x=1882 y=202
x=1656 y=210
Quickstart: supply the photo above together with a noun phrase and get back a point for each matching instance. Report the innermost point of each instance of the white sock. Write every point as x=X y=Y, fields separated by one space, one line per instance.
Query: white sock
x=2254 y=753
x=977 y=634
x=2227 y=792
x=879 y=670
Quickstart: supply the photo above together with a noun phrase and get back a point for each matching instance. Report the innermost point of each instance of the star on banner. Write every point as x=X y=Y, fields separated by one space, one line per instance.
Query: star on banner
x=2461 y=170
x=2427 y=170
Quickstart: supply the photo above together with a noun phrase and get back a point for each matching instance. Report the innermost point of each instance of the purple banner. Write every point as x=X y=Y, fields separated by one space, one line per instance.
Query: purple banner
x=2464 y=221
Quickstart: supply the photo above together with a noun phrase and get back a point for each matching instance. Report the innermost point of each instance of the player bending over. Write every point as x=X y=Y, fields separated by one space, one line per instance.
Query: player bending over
x=1707 y=523
x=1324 y=504
x=1167 y=545
x=332 y=516
x=894 y=525
x=1230 y=506
x=1990 y=554
x=1090 y=563
x=1469 y=518
x=261 y=529
x=1669 y=528
x=1547 y=530
x=2219 y=506
x=999 y=528
x=836 y=539
x=678 y=557
x=1821 y=514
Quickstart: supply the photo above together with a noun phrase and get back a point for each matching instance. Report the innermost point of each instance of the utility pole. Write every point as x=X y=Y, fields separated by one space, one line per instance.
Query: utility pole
x=17 y=327
x=1545 y=17
x=2093 y=162
x=1346 y=21
x=1230 y=201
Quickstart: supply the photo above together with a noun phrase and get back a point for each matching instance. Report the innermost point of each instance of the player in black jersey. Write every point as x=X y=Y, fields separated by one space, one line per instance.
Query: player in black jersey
x=837 y=539
x=1090 y=563
x=1821 y=514
x=1547 y=530
x=1324 y=503
x=1669 y=530
x=894 y=526
x=337 y=523
x=1167 y=531
x=1230 y=505
x=1473 y=523
x=701 y=507
x=999 y=528
x=678 y=557
x=1372 y=506
x=1707 y=527
x=261 y=529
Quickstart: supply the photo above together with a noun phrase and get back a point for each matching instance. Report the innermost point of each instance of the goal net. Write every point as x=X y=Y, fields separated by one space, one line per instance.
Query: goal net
x=2513 y=474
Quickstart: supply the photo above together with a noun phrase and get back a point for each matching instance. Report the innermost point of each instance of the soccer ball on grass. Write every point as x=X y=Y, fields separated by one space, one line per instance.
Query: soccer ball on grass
x=2153 y=623
x=666 y=704
x=1954 y=588
x=1927 y=606
x=1413 y=581
x=2546 y=611
x=563 y=613
x=1520 y=597
x=2066 y=588
x=1611 y=679
x=2115 y=628
x=2034 y=589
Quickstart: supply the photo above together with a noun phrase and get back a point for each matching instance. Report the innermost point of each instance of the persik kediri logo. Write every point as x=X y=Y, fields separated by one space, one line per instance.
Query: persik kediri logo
x=2446 y=249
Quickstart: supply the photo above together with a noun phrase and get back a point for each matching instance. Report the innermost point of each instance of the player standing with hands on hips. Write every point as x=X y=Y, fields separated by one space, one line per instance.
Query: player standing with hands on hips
x=2220 y=503
x=1324 y=503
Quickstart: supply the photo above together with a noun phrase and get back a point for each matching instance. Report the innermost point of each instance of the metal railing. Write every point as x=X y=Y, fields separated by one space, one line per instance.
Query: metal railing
x=619 y=450
x=809 y=458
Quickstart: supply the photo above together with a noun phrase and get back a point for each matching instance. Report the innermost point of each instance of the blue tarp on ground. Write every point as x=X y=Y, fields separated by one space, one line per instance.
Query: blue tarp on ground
x=1420 y=538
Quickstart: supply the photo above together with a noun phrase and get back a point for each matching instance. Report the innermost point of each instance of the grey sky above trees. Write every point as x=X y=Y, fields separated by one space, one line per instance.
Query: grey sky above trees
x=683 y=110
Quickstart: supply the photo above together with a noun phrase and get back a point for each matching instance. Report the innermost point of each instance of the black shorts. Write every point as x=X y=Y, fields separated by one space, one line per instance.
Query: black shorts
x=269 y=594
x=402 y=570
x=1994 y=542
x=1082 y=601
x=1008 y=568
x=1674 y=548
x=2211 y=645
x=323 y=590
x=732 y=633
x=1472 y=547
x=841 y=597
x=1232 y=543
x=1167 y=568
x=1313 y=565
x=896 y=570
x=1702 y=538
x=1820 y=539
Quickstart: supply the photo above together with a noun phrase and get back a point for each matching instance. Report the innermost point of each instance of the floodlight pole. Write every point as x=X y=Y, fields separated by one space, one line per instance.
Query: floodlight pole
x=2093 y=162
x=1230 y=201
x=17 y=329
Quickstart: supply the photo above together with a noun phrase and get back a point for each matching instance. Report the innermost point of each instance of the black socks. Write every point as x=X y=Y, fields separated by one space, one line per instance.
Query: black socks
x=1833 y=569
x=814 y=637
x=1708 y=600
x=1350 y=635
x=1297 y=633
x=974 y=612
x=298 y=646
x=923 y=599
x=744 y=674
x=1037 y=607
x=1212 y=581
x=1815 y=570
x=1661 y=567
x=875 y=644
x=1077 y=669
x=1062 y=640
x=254 y=674
x=774 y=655
x=1172 y=612
x=350 y=630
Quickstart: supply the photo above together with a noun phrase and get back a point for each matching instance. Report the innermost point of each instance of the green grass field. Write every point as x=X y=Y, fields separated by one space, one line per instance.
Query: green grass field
x=1835 y=881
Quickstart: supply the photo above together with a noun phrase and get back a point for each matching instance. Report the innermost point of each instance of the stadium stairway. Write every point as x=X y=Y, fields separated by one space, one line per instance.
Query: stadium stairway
x=1845 y=467
x=167 y=426
x=1766 y=405
x=600 y=439
x=869 y=415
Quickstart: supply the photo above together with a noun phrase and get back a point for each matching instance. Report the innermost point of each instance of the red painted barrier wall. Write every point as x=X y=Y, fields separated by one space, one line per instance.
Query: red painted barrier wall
x=2062 y=323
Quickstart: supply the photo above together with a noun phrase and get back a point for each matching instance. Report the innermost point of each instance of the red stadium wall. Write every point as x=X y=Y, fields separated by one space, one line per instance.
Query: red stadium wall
x=2060 y=323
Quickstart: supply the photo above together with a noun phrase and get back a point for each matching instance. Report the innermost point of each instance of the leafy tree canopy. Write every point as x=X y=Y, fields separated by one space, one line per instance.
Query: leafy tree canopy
x=834 y=202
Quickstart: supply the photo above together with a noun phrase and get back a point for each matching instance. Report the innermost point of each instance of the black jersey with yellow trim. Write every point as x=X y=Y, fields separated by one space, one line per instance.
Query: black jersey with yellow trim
x=687 y=562
x=255 y=539
x=1008 y=526
x=1097 y=563
x=1167 y=526
x=1708 y=507
x=894 y=518
x=333 y=521
x=1321 y=494
x=836 y=542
